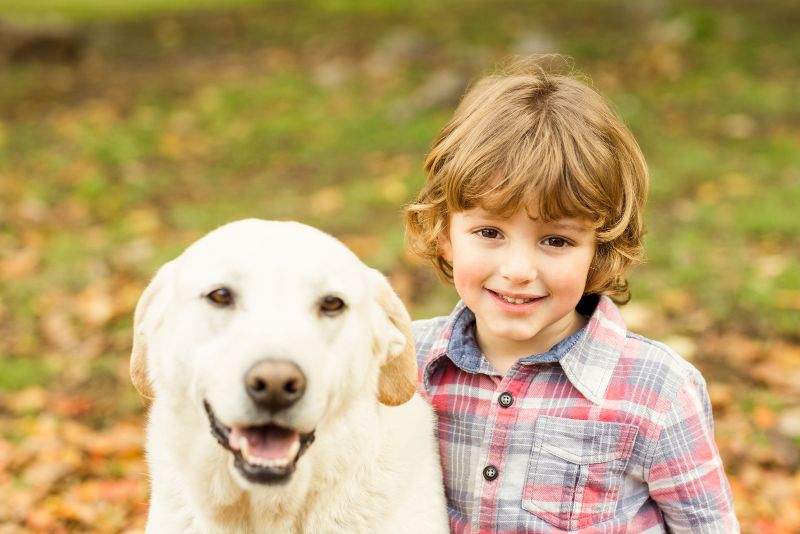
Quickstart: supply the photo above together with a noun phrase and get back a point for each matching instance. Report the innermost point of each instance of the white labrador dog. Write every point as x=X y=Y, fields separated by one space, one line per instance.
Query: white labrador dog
x=282 y=379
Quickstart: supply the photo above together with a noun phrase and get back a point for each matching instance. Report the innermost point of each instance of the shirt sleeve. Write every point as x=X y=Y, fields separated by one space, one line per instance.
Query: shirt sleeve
x=686 y=477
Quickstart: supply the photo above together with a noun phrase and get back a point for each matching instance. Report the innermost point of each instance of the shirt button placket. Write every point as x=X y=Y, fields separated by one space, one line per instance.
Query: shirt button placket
x=499 y=423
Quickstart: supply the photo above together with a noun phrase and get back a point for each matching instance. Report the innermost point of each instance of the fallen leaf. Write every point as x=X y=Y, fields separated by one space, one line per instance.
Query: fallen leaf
x=789 y=422
x=721 y=395
x=326 y=201
x=362 y=245
x=764 y=417
x=95 y=305
x=19 y=264
x=70 y=405
x=28 y=400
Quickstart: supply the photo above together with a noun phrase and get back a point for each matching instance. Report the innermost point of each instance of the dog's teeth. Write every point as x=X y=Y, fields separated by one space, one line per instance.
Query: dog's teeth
x=293 y=450
x=265 y=462
x=245 y=448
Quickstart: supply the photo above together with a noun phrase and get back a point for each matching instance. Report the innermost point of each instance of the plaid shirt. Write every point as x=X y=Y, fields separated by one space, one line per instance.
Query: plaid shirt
x=606 y=432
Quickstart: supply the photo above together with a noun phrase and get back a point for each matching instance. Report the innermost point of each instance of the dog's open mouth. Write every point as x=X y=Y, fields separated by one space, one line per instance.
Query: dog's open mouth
x=264 y=454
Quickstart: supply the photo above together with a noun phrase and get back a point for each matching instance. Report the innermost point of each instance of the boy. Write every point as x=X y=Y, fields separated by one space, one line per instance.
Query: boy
x=551 y=416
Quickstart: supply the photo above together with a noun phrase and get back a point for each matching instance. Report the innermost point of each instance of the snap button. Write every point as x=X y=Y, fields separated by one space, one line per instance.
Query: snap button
x=506 y=399
x=490 y=472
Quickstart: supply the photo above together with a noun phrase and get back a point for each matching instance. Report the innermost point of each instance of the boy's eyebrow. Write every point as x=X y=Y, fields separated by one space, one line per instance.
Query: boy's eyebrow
x=569 y=224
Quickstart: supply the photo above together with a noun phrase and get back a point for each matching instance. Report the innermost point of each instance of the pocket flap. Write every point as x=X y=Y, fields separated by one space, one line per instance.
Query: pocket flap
x=585 y=442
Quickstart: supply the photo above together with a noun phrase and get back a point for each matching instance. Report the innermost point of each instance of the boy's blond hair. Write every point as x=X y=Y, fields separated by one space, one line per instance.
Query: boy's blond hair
x=545 y=142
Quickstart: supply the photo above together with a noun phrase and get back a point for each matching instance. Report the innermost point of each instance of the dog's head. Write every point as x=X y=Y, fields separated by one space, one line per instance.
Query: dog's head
x=269 y=327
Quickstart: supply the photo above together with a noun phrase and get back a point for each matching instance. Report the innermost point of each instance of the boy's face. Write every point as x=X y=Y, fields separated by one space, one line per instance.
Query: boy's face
x=522 y=277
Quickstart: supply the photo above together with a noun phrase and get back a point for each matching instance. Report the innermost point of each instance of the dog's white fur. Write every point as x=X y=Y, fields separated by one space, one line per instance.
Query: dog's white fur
x=374 y=465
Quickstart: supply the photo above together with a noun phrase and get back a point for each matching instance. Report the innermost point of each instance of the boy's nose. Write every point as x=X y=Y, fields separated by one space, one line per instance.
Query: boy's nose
x=519 y=268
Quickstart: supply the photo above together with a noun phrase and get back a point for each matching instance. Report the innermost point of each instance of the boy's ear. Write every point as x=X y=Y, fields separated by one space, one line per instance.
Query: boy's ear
x=445 y=247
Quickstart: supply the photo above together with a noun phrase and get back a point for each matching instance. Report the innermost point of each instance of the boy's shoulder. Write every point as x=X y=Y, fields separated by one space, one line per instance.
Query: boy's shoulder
x=432 y=324
x=611 y=360
x=661 y=353
x=645 y=361
x=427 y=331
x=431 y=336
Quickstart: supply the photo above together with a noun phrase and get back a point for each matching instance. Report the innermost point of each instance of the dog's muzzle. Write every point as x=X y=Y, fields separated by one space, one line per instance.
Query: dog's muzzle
x=264 y=454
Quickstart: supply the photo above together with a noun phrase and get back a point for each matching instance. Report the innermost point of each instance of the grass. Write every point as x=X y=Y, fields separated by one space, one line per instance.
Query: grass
x=18 y=373
x=318 y=111
x=103 y=10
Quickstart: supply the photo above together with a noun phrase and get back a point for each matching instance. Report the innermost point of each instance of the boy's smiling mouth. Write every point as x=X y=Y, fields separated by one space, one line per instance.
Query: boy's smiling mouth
x=514 y=298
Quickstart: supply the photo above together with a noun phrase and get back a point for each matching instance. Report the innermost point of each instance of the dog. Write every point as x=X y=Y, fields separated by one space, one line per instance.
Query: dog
x=281 y=376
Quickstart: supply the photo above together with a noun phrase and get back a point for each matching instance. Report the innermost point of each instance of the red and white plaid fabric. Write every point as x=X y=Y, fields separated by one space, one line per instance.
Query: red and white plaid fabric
x=607 y=432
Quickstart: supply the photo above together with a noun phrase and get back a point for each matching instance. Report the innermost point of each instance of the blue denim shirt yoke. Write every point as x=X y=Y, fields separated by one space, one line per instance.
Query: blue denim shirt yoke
x=463 y=348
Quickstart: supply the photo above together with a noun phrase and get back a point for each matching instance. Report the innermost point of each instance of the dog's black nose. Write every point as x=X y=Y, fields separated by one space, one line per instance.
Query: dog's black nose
x=275 y=384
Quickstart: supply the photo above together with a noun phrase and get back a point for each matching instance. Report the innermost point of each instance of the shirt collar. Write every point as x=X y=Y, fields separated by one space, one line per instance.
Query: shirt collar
x=588 y=357
x=590 y=364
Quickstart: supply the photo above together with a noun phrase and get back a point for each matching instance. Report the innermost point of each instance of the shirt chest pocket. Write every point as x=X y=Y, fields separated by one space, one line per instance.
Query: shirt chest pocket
x=575 y=470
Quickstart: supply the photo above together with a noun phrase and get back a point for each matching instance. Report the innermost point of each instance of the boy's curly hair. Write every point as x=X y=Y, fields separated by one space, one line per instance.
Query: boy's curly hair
x=535 y=139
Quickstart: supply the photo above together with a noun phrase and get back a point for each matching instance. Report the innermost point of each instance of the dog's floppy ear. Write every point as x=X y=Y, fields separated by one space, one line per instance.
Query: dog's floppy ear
x=149 y=314
x=398 y=378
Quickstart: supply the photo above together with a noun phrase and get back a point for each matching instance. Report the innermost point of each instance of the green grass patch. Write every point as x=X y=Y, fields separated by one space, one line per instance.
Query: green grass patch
x=17 y=373
x=93 y=10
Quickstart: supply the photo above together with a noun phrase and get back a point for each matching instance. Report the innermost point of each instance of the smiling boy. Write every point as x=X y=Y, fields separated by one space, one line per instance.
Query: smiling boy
x=552 y=417
x=522 y=278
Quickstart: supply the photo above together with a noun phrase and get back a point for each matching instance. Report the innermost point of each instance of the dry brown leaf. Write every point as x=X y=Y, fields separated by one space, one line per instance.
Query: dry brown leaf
x=70 y=405
x=19 y=264
x=59 y=330
x=363 y=245
x=722 y=396
x=95 y=305
x=28 y=400
x=326 y=201
x=124 y=439
x=764 y=417
x=737 y=350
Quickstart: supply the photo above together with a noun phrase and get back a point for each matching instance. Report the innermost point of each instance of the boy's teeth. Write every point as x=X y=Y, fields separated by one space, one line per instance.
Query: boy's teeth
x=513 y=300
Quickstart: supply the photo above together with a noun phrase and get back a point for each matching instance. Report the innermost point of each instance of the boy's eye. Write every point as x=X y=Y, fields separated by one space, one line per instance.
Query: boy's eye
x=488 y=233
x=557 y=242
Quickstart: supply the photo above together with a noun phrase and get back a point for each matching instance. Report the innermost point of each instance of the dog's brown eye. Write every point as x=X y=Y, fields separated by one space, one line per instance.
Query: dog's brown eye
x=221 y=297
x=331 y=305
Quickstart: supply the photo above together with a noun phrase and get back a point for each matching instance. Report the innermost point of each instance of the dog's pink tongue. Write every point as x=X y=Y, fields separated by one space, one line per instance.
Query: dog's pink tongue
x=269 y=442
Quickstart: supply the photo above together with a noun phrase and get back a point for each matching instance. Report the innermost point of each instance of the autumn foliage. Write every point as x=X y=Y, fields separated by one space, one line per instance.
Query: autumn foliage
x=125 y=135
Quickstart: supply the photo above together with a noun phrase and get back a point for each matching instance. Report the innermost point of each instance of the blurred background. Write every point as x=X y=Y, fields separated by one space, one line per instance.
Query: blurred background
x=129 y=129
